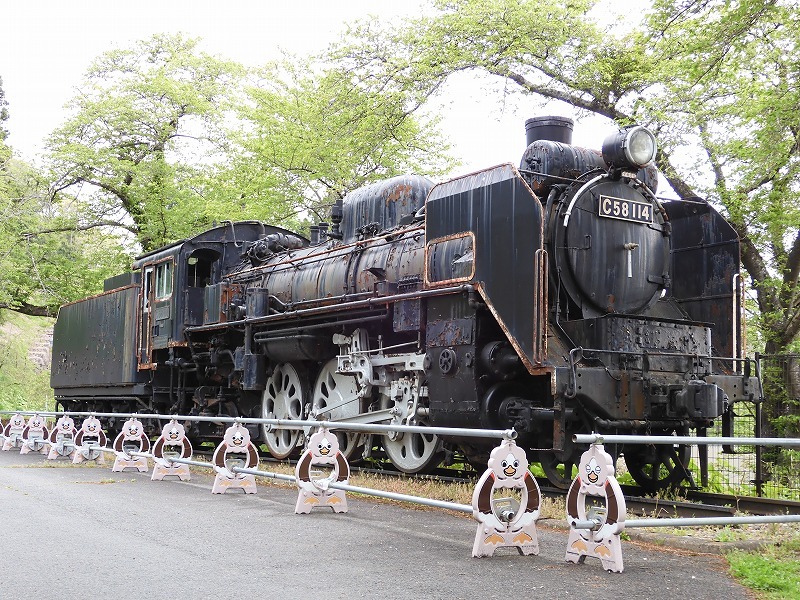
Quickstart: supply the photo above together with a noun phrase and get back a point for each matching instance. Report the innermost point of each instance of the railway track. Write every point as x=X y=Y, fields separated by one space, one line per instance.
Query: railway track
x=696 y=503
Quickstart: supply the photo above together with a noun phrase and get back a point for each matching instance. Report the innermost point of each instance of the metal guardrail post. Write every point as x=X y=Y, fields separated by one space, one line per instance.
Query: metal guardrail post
x=759 y=481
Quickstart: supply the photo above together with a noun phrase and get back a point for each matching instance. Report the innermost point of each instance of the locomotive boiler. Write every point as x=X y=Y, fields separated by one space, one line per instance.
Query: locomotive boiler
x=556 y=297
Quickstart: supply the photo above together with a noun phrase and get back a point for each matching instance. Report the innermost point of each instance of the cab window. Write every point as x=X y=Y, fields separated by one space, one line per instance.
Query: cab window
x=164 y=280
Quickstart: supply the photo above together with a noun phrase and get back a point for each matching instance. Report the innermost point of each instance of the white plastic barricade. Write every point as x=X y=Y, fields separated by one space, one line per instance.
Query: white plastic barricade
x=596 y=533
x=90 y=436
x=504 y=522
x=322 y=449
x=172 y=443
x=62 y=439
x=596 y=480
x=235 y=452
x=35 y=436
x=128 y=443
x=12 y=432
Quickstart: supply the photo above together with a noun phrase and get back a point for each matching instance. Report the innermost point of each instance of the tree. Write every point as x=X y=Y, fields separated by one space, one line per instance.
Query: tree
x=732 y=70
x=715 y=75
x=165 y=140
x=142 y=117
x=39 y=271
x=313 y=134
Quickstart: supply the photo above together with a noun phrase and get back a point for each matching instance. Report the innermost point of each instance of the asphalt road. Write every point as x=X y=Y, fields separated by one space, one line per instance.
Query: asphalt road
x=81 y=532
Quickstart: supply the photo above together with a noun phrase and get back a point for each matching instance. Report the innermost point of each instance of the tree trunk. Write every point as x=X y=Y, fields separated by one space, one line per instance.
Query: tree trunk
x=30 y=310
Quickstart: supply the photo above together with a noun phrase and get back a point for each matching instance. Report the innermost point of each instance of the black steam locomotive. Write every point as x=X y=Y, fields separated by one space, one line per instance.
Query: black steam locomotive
x=555 y=298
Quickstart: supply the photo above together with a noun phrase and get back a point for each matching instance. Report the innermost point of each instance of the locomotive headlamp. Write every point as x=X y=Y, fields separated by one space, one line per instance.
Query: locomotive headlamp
x=632 y=147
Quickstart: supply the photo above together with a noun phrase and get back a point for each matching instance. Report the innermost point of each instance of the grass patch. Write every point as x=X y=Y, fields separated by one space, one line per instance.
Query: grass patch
x=773 y=571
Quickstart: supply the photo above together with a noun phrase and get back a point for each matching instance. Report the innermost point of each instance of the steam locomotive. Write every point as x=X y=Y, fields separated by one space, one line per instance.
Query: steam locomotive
x=557 y=297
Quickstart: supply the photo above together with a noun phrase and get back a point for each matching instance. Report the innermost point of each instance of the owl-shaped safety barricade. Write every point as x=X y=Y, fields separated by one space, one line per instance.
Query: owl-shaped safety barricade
x=596 y=478
x=90 y=437
x=172 y=443
x=13 y=432
x=235 y=452
x=35 y=436
x=322 y=449
x=62 y=439
x=502 y=522
x=131 y=439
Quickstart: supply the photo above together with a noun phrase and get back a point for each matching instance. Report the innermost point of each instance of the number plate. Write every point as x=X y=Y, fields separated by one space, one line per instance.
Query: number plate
x=627 y=210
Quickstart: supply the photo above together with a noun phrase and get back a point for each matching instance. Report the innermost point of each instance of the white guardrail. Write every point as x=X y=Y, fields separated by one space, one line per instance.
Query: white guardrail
x=507 y=521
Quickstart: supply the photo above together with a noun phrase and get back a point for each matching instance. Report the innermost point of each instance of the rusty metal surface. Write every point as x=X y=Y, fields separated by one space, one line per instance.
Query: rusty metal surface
x=407 y=315
x=318 y=273
x=383 y=204
x=94 y=341
x=450 y=332
x=504 y=215
x=558 y=161
x=450 y=259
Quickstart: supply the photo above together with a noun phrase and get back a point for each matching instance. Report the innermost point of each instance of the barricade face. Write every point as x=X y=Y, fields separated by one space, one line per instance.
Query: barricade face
x=13 y=432
x=322 y=449
x=596 y=479
x=172 y=443
x=130 y=440
x=235 y=452
x=35 y=436
x=501 y=522
x=62 y=439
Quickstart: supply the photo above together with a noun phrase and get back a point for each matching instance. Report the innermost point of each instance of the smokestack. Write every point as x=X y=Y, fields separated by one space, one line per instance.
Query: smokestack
x=554 y=129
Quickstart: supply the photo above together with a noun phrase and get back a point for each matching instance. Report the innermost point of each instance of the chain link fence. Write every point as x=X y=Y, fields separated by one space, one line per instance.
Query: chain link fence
x=748 y=470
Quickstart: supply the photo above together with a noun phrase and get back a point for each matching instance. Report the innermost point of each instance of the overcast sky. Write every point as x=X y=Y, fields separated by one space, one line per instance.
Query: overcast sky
x=46 y=46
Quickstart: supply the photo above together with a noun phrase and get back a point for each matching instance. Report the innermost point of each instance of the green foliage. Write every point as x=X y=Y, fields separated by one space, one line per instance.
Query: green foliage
x=164 y=140
x=550 y=48
x=22 y=385
x=141 y=117
x=42 y=263
x=314 y=135
x=774 y=570
x=731 y=71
